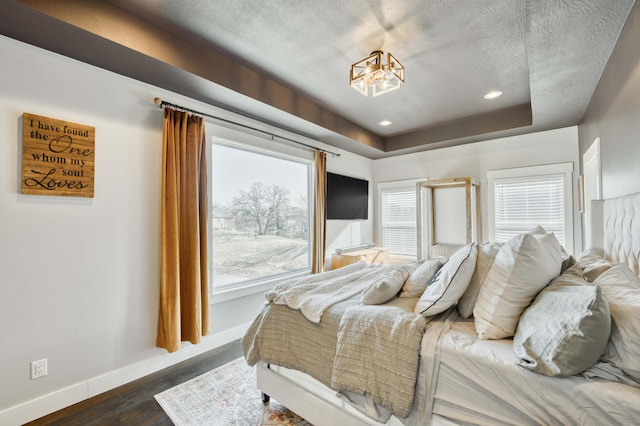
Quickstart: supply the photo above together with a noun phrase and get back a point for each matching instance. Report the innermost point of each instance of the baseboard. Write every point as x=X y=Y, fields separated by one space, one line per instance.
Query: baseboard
x=61 y=398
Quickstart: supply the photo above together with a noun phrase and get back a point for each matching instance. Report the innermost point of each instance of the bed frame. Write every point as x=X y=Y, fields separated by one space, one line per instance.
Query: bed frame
x=310 y=399
x=616 y=231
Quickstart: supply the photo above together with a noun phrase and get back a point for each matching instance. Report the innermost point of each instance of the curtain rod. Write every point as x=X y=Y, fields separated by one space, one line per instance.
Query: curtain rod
x=162 y=104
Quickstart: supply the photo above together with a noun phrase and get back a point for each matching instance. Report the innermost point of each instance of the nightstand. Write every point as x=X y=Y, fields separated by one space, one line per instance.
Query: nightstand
x=370 y=255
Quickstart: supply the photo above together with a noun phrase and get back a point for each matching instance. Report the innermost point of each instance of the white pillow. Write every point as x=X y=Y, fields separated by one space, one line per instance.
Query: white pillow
x=417 y=282
x=538 y=230
x=565 y=329
x=592 y=264
x=621 y=287
x=386 y=286
x=448 y=284
x=523 y=266
x=486 y=255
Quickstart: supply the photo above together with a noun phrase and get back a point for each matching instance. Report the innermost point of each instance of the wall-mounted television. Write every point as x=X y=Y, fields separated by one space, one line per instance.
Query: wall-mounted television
x=347 y=197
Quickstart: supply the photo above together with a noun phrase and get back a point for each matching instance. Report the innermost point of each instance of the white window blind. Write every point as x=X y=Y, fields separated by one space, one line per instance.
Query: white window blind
x=398 y=207
x=522 y=203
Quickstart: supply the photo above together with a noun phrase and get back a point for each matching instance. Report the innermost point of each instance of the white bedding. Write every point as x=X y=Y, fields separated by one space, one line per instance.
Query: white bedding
x=471 y=381
x=312 y=295
x=465 y=380
x=475 y=374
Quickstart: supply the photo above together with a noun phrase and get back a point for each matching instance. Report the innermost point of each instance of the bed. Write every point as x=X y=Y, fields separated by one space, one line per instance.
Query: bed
x=431 y=361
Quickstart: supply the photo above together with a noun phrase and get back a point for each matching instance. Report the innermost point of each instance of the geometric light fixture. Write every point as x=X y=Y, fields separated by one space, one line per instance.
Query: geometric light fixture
x=372 y=73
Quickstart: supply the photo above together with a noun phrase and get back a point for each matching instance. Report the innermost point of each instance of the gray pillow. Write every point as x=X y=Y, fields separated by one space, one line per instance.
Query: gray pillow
x=567 y=262
x=566 y=328
x=621 y=287
x=386 y=286
x=417 y=282
x=593 y=264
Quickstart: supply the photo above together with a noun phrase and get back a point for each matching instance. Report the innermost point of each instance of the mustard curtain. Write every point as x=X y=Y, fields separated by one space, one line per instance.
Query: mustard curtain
x=319 y=214
x=184 y=290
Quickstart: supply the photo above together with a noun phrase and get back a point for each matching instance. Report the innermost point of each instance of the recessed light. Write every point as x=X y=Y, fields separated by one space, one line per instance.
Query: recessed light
x=493 y=94
x=385 y=123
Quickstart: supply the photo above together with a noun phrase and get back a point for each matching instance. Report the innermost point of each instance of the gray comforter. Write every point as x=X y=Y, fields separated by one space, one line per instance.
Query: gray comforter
x=377 y=355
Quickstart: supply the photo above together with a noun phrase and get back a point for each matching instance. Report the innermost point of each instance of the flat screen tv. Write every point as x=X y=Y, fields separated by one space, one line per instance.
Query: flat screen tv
x=347 y=197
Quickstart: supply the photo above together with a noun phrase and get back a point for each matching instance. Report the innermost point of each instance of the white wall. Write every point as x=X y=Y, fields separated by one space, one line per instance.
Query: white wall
x=348 y=233
x=474 y=160
x=613 y=114
x=79 y=277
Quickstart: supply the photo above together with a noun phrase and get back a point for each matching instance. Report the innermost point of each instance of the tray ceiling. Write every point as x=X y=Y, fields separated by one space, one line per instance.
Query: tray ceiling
x=545 y=56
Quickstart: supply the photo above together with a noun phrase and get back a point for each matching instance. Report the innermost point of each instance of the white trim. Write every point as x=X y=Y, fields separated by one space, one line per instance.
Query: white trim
x=61 y=398
x=380 y=186
x=559 y=168
x=246 y=140
x=592 y=156
x=592 y=189
x=220 y=295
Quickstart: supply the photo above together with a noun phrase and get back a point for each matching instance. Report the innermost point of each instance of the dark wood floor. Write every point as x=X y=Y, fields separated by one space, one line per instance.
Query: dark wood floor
x=133 y=403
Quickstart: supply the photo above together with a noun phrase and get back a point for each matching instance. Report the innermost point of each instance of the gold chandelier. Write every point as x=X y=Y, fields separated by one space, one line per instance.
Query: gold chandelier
x=372 y=73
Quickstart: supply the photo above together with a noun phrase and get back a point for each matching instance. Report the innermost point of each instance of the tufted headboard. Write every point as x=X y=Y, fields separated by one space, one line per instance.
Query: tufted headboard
x=619 y=237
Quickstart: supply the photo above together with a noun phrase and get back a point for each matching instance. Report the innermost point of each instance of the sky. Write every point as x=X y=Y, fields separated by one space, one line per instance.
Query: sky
x=236 y=169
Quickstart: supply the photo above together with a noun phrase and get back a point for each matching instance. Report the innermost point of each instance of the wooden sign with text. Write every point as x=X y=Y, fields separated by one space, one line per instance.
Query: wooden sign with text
x=57 y=157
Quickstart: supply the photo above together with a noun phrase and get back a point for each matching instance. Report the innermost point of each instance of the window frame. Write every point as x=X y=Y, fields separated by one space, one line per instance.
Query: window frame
x=566 y=169
x=218 y=134
x=398 y=185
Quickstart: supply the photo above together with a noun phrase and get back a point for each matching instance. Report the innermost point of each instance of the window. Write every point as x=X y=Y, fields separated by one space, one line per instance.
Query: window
x=260 y=215
x=520 y=199
x=398 y=230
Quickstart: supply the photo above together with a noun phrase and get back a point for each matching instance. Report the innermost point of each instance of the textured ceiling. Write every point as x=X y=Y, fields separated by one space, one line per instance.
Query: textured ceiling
x=546 y=56
x=548 y=53
x=453 y=51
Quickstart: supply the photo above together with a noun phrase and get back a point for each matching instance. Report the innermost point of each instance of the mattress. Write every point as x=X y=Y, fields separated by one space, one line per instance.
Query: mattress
x=466 y=380
x=281 y=336
x=479 y=382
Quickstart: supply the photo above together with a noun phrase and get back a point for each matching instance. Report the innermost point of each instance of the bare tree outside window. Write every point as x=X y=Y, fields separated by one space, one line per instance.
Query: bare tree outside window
x=260 y=228
x=264 y=205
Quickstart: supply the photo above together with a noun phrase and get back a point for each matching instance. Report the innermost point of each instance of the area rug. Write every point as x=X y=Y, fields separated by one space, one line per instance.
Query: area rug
x=224 y=396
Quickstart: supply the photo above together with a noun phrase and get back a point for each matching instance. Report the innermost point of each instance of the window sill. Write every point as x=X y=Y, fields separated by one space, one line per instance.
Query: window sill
x=249 y=289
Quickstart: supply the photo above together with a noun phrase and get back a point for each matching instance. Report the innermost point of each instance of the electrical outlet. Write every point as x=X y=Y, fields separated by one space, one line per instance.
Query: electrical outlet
x=38 y=368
